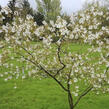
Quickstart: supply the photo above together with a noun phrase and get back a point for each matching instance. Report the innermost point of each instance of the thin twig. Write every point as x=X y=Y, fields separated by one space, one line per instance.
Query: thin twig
x=86 y=91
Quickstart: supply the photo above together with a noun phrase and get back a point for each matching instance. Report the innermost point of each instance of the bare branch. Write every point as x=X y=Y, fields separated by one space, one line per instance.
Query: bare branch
x=27 y=51
x=43 y=69
x=70 y=98
x=69 y=77
x=59 y=58
x=53 y=78
x=86 y=91
x=28 y=59
x=106 y=70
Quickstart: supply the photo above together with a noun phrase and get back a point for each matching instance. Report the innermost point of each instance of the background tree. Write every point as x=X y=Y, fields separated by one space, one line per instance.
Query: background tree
x=38 y=18
x=12 y=6
x=102 y=6
x=49 y=8
x=8 y=12
x=25 y=8
x=0 y=7
x=66 y=17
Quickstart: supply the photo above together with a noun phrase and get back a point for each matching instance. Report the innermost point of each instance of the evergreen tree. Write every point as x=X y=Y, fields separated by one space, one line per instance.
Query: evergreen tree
x=26 y=8
x=0 y=7
x=12 y=6
x=38 y=18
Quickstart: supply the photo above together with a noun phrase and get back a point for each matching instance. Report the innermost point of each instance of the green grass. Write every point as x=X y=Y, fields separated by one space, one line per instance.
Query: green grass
x=45 y=93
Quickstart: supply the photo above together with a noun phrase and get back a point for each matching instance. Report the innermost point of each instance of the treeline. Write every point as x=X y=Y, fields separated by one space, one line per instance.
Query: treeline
x=46 y=10
x=24 y=8
x=91 y=20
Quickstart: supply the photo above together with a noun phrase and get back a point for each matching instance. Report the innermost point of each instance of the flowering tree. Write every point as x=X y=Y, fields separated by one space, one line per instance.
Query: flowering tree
x=6 y=12
x=91 y=23
x=69 y=69
x=1 y=22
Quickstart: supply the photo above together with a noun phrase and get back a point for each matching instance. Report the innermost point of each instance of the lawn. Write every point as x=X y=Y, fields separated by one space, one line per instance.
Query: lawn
x=45 y=94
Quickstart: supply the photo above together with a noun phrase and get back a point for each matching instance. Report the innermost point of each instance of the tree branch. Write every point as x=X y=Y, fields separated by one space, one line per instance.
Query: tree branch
x=86 y=91
x=70 y=99
x=106 y=70
x=59 y=58
x=42 y=68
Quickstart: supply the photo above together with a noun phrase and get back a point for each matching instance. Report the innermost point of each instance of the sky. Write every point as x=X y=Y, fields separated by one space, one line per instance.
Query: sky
x=68 y=6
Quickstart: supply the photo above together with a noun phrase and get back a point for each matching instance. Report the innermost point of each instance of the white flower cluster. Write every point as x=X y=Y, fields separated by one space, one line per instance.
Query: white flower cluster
x=56 y=29
x=90 y=24
x=6 y=10
x=20 y=29
x=1 y=21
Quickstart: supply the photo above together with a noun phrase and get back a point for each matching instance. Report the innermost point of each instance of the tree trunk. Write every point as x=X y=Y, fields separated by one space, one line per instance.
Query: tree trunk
x=70 y=100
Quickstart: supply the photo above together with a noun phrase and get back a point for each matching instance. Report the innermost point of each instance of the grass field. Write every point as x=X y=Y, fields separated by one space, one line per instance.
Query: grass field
x=45 y=94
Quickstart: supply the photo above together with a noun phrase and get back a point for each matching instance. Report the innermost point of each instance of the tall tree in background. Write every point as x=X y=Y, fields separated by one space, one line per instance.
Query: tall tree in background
x=49 y=8
x=0 y=7
x=26 y=8
x=39 y=18
x=9 y=17
x=12 y=6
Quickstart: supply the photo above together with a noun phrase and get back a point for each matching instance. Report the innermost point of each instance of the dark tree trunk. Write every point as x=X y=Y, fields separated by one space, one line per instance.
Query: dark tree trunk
x=70 y=100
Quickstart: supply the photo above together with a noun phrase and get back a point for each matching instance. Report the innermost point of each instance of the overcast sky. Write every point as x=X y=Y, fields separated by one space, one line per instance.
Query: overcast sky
x=68 y=6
